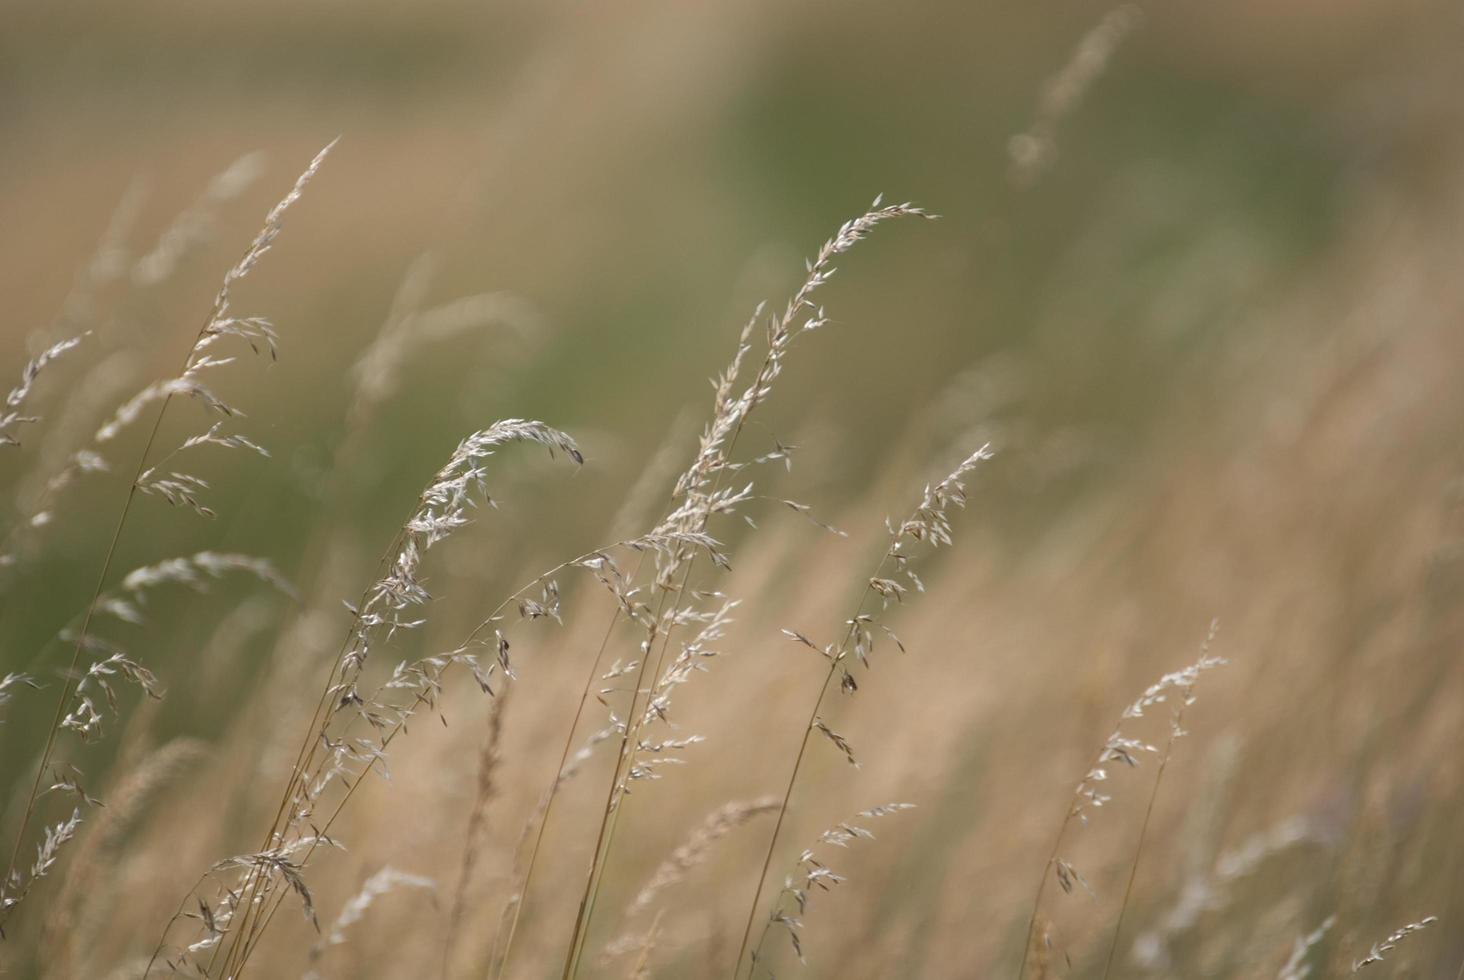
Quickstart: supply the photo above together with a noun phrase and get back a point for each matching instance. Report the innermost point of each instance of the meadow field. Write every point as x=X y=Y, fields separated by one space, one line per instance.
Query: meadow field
x=1060 y=576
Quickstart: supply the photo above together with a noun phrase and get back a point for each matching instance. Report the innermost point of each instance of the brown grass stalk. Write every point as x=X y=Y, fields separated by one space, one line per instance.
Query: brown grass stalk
x=926 y=523
x=1176 y=730
x=1123 y=750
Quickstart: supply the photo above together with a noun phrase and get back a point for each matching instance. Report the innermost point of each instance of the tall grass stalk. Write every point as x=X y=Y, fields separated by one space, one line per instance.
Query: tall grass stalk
x=217 y=324
x=519 y=895
x=700 y=489
x=1176 y=731
x=1126 y=751
x=928 y=522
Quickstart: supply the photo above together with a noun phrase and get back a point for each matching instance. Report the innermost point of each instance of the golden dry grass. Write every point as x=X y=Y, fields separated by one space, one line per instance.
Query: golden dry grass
x=1213 y=339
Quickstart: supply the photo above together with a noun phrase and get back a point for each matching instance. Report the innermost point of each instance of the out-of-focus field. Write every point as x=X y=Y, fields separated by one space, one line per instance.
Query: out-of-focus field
x=1217 y=345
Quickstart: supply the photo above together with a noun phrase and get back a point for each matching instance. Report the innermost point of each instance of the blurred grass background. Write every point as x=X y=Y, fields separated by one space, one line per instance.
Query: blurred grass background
x=1215 y=345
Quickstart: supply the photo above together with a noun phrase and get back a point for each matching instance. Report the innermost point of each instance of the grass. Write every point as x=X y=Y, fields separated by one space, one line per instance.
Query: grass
x=698 y=637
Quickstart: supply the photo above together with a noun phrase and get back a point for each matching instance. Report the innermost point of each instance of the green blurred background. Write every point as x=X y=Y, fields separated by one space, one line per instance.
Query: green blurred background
x=641 y=175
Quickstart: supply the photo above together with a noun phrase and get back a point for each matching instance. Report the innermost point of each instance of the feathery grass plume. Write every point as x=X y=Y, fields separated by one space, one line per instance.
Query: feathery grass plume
x=85 y=717
x=346 y=758
x=1210 y=890
x=929 y=523
x=217 y=325
x=378 y=369
x=194 y=226
x=217 y=920
x=1122 y=749
x=196 y=571
x=62 y=458
x=489 y=758
x=126 y=604
x=1375 y=954
x=18 y=885
x=698 y=486
x=13 y=414
x=1296 y=967
x=386 y=880
x=107 y=263
x=693 y=657
x=1031 y=153
x=811 y=876
x=88 y=892
x=10 y=683
x=1176 y=729
x=682 y=535
x=77 y=311
x=687 y=856
x=331 y=752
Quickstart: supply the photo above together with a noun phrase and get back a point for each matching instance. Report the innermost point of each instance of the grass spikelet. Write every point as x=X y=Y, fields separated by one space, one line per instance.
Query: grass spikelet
x=1375 y=954
x=1211 y=890
x=1296 y=967
x=48 y=852
x=88 y=890
x=1186 y=686
x=687 y=856
x=13 y=682
x=1177 y=689
x=812 y=876
x=15 y=401
x=383 y=882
